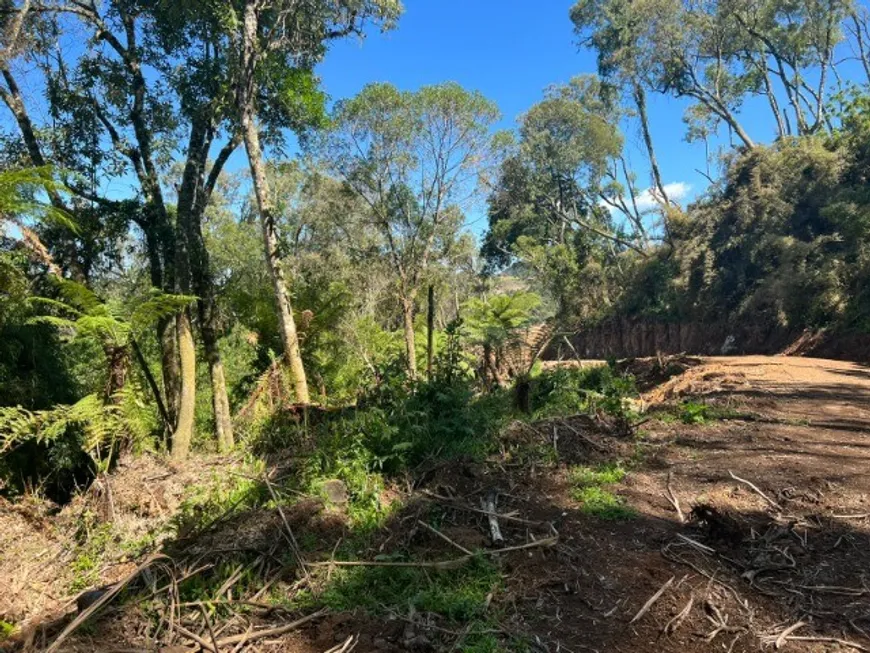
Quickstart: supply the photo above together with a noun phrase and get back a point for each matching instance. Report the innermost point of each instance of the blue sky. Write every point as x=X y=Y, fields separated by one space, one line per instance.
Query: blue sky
x=509 y=50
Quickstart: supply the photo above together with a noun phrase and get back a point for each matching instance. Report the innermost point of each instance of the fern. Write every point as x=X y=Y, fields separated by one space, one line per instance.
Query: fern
x=100 y=424
x=159 y=306
x=17 y=190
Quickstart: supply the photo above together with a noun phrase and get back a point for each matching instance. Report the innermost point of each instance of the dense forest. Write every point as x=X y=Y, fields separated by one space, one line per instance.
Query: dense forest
x=202 y=254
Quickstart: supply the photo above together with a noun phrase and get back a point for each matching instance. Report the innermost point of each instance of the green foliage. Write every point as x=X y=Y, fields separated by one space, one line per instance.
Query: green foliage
x=692 y=412
x=85 y=567
x=222 y=494
x=497 y=320
x=601 y=503
x=571 y=390
x=6 y=629
x=98 y=425
x=606 y=474
x=19 y=189
x=591 y=491
x=781 y=244
x=457 y=595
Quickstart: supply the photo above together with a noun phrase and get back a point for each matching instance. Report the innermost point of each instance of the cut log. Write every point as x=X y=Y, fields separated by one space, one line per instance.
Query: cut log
x=489 y=505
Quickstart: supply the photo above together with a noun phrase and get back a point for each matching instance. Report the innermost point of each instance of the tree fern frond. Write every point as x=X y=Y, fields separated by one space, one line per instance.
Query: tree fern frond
x=160 y=305
x=17 y=188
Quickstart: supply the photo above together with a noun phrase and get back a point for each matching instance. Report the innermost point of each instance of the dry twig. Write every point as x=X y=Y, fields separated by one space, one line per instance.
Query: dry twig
x=292 y=538
x=655 y=597
x=105 y=598
x=269 y=632
x=677 y=621
x=673 y=498
x=755 y=488
x=441 y=535
x=440 y=564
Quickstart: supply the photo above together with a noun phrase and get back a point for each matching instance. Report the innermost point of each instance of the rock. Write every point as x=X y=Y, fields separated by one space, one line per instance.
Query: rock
x=336 y=492
x=87 y=599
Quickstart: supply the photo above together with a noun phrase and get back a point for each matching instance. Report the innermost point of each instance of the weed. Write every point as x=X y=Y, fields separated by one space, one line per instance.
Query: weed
x=458 y=595
x=85 y=566
x=222 y=494
x=601 y=503
x=567 y=391
x=6 y=629
x=694 y=413
x=602 y=475
x=591 y=492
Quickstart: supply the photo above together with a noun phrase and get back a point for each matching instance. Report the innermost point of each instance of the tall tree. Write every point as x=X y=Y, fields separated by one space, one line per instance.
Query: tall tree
x=614 y=30
x=416 y=158
x=565 y=204
x=277 y=44
x=120 y=107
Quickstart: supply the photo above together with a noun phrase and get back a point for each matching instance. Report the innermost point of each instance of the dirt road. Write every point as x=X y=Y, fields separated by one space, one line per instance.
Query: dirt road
x=797 y=429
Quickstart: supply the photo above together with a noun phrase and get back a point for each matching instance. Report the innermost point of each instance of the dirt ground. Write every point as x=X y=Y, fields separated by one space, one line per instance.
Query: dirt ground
x=770 y=548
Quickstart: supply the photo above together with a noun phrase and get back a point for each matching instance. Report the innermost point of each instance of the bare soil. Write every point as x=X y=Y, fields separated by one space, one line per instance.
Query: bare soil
x=794 y=550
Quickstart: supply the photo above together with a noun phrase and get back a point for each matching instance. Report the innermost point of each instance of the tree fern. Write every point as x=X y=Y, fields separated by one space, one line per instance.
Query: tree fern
x=98 y=423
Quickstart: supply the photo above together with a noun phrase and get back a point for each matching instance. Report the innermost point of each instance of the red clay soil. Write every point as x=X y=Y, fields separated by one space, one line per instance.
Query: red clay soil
x=784 y=544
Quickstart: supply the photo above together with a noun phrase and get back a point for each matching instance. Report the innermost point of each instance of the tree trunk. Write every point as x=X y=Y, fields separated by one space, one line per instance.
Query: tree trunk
x=183 y=434
x=117 y=361
x=171 y=369
x=192 y=201
x=152 y=382
x=430 y=331
x=219 y=398
x=289 y=336
x=410 y=343
x=246 y=99
x=640 y=101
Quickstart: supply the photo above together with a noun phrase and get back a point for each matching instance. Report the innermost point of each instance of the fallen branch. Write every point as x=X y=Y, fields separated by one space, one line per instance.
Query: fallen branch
x=292 y=538
x=703 y=548
x=780 y=640
x=348 y=645
x=673 y=499
x=754 y=487
x=459 y=506
x=440 y=564
x=676 y=622
x=269 y=632
x=592 y=443
x=105 y=598
x=210 y=629
x=443 y=537
x=489 y=505
x=655 y=597
x=189 y=634
x=827 y=640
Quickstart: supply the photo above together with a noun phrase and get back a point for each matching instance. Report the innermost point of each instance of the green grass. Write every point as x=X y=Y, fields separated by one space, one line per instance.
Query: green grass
x=457 y=595
x=591 y=492
x=603 y=504
x=606 y=474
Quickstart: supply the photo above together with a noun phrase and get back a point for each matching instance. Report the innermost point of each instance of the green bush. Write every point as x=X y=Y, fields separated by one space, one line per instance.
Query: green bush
x=572 y=390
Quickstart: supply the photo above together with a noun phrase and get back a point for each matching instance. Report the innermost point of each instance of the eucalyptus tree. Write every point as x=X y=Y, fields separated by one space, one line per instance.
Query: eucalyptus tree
x=416 y=159
x=618 y=31
x=565 y=204
x=276 y=44
x=721 y=53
